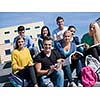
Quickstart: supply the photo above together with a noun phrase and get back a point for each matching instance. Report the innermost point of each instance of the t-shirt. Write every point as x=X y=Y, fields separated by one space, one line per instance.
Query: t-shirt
x=59 y=32
x=47 y=61
x=87 y=39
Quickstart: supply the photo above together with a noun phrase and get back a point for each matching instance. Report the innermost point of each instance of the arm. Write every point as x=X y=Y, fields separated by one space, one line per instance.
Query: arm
x=39 y=71
x=30 y=42
x=15 y=66
x=95 y=39
x=59 y=47
x=40 y=44
x=77 y=42
x=30 y=62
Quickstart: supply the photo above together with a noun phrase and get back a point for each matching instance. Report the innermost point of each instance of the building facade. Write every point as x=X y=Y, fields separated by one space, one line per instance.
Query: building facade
x=7 y=35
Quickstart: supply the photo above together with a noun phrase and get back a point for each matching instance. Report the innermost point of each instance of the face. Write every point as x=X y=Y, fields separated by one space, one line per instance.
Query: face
x=72 y=30
x=60 y=22
x=45 y=32
x=21 y=43
x=22 y=33
x=92 y=29
x=47 y=45
x=67 y=36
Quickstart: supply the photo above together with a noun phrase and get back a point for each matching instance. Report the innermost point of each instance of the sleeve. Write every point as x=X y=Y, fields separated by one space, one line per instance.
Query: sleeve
x=14 y=42
x=40 y=44
x=38 y=58
x=59 y=47
x=77 y=40
x=29 y=57
x=14 y=61
x=83 y=39
x=30 y=42
x=54 y=32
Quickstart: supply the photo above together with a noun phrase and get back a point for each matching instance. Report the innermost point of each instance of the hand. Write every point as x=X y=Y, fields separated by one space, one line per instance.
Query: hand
x=20 y=68
x=55 y=37
x=60 y=60
x=86 y=46
x=31 y=64
x=58 y=65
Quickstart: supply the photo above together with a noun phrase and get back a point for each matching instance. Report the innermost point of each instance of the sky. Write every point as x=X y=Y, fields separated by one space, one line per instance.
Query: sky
x=80 y=20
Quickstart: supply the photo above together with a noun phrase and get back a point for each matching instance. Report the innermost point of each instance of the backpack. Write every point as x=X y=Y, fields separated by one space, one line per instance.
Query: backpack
x=17 y=81
x=92 y=62
x=88 y=76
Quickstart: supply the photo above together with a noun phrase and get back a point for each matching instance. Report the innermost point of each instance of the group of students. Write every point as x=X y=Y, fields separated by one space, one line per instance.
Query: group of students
x=48 y=68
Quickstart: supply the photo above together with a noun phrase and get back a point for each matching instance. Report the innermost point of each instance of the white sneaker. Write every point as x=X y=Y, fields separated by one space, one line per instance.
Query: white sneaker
x=80 y=84
x=73 y=84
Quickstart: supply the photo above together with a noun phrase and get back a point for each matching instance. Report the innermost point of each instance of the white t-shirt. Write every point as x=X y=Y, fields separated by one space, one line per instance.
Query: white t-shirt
x=59 y=33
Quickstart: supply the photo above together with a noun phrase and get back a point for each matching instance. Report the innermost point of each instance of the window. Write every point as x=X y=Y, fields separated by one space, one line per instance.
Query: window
x=7 y=41
x=7 y=32
x=16 y=31
x=7 y=52
x=27 y=28
x=36 y=27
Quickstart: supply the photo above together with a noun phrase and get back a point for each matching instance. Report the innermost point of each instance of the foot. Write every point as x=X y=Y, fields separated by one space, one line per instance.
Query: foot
x=72 y=84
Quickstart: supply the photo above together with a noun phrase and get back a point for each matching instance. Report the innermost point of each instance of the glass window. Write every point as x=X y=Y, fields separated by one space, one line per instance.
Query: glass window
x=16 y=31
x=7 y=41
x=36 y=27
x=27 y=28
x=7 y=32
x=7 y=52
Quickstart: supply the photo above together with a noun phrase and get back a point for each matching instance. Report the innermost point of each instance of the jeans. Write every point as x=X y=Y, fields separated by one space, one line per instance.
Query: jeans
x=68 y=69
x=28 y=73
x=56 y=79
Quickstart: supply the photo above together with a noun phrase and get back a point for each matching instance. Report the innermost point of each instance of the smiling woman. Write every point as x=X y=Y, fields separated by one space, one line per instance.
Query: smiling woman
x=22 y=63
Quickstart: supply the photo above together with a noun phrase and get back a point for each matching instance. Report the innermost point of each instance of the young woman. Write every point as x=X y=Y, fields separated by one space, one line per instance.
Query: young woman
x=90 y=39
x=66 y=48
x=44 y=32
x=75 y=39
x=22 y=63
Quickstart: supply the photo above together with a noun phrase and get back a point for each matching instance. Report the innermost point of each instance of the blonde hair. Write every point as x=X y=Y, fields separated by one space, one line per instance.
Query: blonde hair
x=97 y=28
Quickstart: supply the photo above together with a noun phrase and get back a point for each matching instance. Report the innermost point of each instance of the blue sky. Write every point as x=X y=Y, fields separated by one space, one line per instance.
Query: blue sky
x=80 y=19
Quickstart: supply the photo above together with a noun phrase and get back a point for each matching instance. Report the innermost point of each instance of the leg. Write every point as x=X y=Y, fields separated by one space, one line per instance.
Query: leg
x=45 y=81
x=78 y=65
x=67 y=71
x=57 y=78
x=95 y=53
x=33 y=75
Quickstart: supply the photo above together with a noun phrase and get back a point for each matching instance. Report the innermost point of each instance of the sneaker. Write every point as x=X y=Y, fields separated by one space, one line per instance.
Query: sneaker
x=72 y=84
x=80 y=84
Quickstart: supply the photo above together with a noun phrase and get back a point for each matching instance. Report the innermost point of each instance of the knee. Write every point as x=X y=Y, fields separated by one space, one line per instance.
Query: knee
x=60 y=72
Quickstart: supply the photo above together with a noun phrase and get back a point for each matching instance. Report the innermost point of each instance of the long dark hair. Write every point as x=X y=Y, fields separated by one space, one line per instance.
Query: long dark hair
x=42 y=31
x=18 y=38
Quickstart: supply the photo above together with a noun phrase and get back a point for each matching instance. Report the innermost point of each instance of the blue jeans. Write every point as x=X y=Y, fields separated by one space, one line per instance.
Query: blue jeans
x=68 y=69
x=56 y=79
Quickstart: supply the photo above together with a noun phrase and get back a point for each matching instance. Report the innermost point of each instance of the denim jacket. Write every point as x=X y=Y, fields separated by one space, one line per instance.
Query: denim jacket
x=60 y=47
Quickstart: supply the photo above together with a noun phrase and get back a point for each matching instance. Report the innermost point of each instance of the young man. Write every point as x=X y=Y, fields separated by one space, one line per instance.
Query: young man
x=28 y=41
x=58 y=32
x=49 y=72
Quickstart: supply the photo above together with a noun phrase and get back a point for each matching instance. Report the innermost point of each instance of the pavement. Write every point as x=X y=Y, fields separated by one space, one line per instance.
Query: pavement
x=5 y=70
